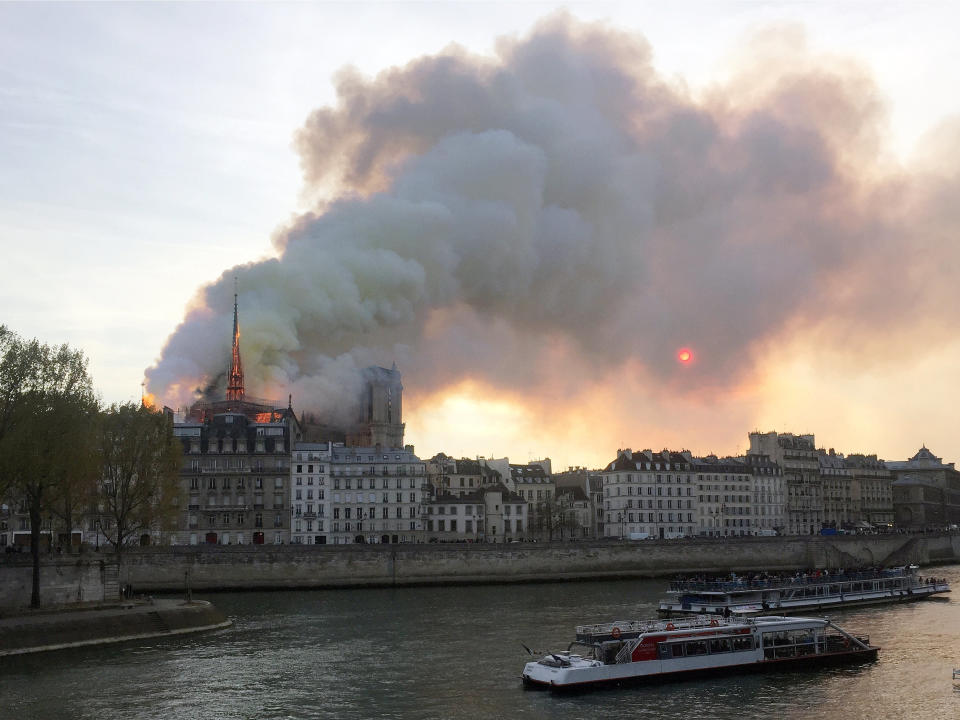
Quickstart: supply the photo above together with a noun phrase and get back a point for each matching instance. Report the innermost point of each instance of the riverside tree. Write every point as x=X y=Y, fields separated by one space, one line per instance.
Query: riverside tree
x=138 y=483
x=47 y=406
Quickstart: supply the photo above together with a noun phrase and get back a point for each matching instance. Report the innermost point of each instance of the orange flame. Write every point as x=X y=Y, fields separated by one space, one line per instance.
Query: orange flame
x=149 y=401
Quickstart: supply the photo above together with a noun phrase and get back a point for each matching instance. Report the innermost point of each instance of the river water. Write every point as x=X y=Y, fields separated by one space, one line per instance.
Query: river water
x=451 y=653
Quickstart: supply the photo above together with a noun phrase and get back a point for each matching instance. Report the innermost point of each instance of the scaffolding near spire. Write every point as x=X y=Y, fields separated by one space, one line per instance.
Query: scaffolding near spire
x=235 y=377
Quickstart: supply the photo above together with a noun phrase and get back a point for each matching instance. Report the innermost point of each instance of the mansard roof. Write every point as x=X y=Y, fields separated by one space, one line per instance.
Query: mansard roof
x=475 y=497
x=532 y=472
x=713 y=464
x=923 y=460
x=649 y=460
x=576 y=493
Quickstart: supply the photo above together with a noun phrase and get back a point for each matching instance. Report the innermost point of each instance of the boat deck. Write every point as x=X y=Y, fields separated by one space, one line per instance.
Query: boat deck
x=626 y=629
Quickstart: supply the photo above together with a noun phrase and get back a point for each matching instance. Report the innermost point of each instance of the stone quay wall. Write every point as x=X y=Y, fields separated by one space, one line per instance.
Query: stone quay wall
x=67 y=579
x=293 y=566
x=64 y=579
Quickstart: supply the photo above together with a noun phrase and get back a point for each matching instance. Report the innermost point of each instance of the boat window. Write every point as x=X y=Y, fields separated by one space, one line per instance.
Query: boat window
x=742 y=643
x=697 y=647
x=676 y=649
x=720 y=645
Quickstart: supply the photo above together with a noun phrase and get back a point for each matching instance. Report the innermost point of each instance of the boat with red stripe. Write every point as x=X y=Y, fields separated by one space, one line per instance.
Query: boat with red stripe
x=624 y=652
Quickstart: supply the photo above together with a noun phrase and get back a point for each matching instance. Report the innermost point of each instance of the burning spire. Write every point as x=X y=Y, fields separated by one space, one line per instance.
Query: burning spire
x=235 y=381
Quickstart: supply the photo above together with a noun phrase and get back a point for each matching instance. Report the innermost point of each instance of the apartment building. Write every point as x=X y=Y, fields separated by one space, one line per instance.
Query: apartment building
x=489 y=514
x=235 y=473
x=873 y=489
x=309 y=473
x=650 y=494
x=797 y=456
x=374 y=495
x=725 y=497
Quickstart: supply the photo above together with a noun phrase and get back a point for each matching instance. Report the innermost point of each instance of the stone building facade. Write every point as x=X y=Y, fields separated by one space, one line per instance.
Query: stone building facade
x=235 y=473
x=465 y=476
x=309 y=473
x=575 y=518
x=769 y=495
x=533 y=483
x=926 y=492
x=489 y=514
x=724 y=497
x=841 y=502
x=650 y=494
x=872 y=490
x=375 y=495
x=797 y=456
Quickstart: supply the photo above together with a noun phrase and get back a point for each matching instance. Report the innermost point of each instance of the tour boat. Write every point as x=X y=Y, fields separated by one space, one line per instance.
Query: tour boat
x=784 y=595
x=625 y=652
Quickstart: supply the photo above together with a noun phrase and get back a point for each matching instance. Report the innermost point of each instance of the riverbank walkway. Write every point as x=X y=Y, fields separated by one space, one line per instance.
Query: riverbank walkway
x=55 y=629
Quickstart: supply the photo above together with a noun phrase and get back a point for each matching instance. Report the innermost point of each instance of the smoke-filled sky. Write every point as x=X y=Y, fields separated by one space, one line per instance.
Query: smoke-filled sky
x=530 y=211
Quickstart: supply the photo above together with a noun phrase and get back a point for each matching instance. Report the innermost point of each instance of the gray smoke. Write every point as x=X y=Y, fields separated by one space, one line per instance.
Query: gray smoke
x=562 y=205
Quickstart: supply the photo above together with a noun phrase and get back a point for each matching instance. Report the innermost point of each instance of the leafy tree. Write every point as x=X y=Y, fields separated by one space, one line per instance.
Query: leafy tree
x=139 y=482
x=46 y=402
x=73 y=494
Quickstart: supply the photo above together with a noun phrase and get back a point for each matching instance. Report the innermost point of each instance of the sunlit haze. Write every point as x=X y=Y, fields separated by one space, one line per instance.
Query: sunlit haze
x=574 y=228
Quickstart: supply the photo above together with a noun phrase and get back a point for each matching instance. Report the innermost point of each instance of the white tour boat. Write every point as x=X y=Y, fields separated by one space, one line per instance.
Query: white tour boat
x=785 y=595
x=624 y=652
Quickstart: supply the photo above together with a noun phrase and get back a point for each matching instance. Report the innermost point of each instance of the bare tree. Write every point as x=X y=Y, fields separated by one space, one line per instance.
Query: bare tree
x=46 y=401
x=138 y=485
x=548 y=517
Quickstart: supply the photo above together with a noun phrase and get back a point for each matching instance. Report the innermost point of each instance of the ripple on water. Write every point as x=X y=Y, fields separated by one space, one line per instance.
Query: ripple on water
x=454 y=654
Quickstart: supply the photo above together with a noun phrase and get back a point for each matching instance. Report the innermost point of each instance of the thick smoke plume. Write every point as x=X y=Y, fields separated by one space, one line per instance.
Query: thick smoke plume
x=562 y=207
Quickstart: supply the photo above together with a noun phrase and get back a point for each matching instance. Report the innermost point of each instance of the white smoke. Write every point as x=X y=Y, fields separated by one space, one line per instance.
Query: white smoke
x=477 y=214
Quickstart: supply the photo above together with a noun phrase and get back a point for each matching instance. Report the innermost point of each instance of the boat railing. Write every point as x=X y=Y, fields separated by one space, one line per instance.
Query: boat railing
x=626 y=652
x=624 y=627
x=781 y=582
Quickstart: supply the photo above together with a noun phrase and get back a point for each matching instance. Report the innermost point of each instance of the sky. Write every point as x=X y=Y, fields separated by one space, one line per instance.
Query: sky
x=766 y=184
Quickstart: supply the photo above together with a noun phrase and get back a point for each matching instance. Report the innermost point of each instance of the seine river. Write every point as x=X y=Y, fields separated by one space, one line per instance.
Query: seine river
x=455 y=653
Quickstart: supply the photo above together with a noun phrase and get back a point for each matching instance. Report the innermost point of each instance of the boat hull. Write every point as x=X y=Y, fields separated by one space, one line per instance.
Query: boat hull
x=808 y=662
